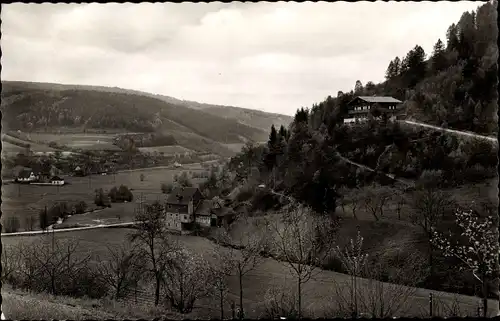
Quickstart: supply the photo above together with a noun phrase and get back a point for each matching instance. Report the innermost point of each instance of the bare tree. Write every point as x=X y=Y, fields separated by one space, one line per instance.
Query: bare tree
x=10 y=262
x=151 y=235
x=353 y=260
x=57 y=261
x=353 y=198
x=186 y=280
x=385 y=300
x=122 y=269
x=28 y=269
x=221 y=269
x=374 y=199
x=297 y=242
x=244 y=255
x=430 y=205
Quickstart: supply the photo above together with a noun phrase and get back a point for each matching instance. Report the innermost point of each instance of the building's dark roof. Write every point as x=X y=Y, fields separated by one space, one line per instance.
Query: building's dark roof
x=223 y=211
x=181 y=195
x=56 y=178
x=377 y=99
x=204 y=208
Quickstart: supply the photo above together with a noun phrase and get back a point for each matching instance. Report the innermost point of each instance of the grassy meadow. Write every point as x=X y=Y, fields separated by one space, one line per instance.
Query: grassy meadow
x=25 y=200
x=318 y=294
x=166 y=150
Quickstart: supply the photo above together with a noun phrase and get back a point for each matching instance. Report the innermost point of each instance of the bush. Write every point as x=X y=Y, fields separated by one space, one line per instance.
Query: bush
x=12 y=225
x=99 y=199
x=120 y=194
x=244 y=194
x=80 y=207
x=43 y=219
x=166 y=188
x=280 y=302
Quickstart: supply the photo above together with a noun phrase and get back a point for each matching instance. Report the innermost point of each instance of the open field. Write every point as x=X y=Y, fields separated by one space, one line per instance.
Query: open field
x=318 y=293
x=236 y=147
x=34 y=147
x=11 y=150
x=24 y=200
x=167 y=150
x=86 y=141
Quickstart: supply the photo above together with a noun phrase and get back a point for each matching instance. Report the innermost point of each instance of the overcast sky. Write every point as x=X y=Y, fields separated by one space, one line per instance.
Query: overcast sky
x=274 y=57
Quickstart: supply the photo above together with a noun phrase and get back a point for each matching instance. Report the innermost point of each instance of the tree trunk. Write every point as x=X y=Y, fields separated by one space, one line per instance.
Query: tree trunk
x=241 y=295
x=157 y=290
x=221 y=304
x=431 y=257
x=299 y=298
x=485 y=297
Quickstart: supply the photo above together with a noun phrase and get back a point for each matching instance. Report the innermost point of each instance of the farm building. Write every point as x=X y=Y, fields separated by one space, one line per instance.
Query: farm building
x=360 y=107
x=79 y=171
x=27 y=176
x=56 y=180
x=187 y=205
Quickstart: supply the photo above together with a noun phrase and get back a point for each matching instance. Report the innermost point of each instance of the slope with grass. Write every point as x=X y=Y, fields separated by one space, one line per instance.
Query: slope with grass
x=318 y=293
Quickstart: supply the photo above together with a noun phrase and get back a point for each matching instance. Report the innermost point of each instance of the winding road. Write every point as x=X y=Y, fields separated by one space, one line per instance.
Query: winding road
x=453 y=131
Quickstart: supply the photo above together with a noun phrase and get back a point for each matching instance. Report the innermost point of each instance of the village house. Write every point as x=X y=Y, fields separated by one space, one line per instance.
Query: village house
x=180 y=206
x=360 y=107
x=79 y=171
x=187 y=205
x=56 y=180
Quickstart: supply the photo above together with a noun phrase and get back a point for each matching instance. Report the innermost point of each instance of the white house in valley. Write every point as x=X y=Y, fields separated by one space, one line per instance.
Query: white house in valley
x=56 y=180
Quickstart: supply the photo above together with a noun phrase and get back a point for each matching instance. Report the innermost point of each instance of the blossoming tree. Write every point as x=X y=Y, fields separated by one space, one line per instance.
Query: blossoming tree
x=476 y=248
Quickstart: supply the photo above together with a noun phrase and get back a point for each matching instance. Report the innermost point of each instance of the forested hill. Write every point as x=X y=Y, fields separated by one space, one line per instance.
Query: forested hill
x=249 y=117
x=454 y=86
x=34 y=106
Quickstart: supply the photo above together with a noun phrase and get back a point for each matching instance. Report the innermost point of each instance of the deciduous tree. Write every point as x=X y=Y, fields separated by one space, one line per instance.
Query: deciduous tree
x=476 y=248
x=297 y=242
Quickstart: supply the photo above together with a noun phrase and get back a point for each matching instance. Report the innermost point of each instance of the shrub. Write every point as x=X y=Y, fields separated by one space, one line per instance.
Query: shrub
x=244 y=194
x=166 y=188
x=43 y=219
x=120 y=194
x=80 y=207
x=99 y=199
x=12 y=225
x=280 y=302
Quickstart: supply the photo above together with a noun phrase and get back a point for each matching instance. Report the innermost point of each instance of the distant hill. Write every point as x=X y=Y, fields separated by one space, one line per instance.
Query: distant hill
x=250 y=117
x=32 y=107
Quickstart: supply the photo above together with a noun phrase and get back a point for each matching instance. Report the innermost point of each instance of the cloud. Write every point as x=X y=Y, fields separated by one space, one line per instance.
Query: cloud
x=271 y=56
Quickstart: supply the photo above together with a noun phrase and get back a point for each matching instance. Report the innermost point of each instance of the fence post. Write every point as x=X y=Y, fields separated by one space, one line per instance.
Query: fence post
x=430 y=305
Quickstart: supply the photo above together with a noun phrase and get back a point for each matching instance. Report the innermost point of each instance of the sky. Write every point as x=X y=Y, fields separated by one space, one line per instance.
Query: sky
x=274 y=57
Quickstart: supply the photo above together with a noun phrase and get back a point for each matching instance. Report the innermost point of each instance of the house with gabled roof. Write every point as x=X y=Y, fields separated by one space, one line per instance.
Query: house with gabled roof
x=187 y=205
x=361 y=106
